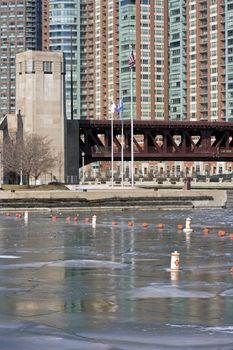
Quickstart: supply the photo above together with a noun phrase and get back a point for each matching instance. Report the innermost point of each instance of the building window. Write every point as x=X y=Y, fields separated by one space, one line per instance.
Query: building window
x=47 y=67
x=20 y=67
x=30 y=66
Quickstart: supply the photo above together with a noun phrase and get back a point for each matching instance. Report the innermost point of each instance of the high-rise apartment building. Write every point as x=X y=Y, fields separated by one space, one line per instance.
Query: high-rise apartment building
x=23 y=27
x=86 y=43
x=102 y=35
x=229 y=59
x=142 y=27
x=64 y=29
x=205 y=60
x=108 y=30
x=183 y=58
x=106 y=55
x=183 y=51
x=177 y=56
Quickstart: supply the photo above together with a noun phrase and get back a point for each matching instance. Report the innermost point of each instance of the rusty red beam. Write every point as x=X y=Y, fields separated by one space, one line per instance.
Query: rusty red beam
x=177 y=140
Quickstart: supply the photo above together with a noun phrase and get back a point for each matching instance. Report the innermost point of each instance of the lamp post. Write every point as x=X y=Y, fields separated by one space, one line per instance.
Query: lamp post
x=0 y=170
x=112 y=154
x=112 y=109
x=83 y=155
x=21 y=173
x=71 y=76
x=122 y=150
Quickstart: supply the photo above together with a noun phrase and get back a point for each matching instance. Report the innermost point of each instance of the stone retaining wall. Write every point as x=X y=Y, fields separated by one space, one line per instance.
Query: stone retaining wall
x=204 y=198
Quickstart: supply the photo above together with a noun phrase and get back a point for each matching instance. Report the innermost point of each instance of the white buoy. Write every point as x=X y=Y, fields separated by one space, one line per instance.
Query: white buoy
x=188 y=225
x=26 y=215
x=174 y=275
x=175 y=261
x=94 y=221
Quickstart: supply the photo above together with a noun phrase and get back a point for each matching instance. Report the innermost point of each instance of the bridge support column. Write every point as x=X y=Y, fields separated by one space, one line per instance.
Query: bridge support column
x=72 y=151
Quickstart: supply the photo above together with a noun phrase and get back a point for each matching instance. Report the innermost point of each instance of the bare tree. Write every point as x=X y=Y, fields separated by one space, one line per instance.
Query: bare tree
x=37 y=157
x=11 y=159
x=32 y=156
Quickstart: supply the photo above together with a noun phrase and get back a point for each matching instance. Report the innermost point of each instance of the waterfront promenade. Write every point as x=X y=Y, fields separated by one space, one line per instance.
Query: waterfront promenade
x=103 y=196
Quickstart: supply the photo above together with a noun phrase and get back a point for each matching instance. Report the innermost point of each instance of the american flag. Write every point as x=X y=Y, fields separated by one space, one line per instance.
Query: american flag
x=131 y=60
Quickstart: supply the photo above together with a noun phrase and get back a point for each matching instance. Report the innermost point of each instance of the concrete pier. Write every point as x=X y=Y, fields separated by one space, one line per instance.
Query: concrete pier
x=114 y=198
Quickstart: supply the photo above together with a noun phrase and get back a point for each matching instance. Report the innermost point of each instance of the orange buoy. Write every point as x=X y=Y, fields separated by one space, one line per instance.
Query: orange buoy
x=145 y=225
x=68 y=218
x=206 y=231
x=180 y=226
x=130 y=223
x=232 y=270
x=231 y=236
x=221 y=233
x=54 y=218
x=160 y=225
x=114 y=222
x=87 y=220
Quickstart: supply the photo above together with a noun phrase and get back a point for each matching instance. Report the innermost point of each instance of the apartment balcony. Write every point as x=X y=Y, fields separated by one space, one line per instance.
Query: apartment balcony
x=203 y=92
x=204 y=101
x=203 y=50
x=203 y=8
x=203 y=75
x=203 y=84
x=204 y=110
x=203 y=25
x=203 y=34
x=203 y=58
x=204 y=41
x=203 y=67
x=203 y=15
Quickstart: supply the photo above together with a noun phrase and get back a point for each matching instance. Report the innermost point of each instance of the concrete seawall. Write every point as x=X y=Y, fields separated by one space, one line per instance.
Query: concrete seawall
x=115 y=198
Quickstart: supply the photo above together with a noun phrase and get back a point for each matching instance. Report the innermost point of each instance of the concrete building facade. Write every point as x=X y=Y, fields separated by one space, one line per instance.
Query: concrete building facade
x=40 y=100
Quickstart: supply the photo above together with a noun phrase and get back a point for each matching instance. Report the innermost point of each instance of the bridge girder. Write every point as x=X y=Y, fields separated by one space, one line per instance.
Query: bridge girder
x=157 y=140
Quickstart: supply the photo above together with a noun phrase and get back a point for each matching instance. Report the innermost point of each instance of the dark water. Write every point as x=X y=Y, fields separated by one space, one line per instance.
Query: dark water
x=66 y=286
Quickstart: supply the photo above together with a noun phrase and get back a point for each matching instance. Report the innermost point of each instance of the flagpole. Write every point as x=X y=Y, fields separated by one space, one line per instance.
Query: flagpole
x=132 y=133
x=122 y=150
x=112 y=148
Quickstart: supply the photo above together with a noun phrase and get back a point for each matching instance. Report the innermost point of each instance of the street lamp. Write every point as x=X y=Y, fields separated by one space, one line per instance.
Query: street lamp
x=21 y=173
x=1 y=170
x=83 y=155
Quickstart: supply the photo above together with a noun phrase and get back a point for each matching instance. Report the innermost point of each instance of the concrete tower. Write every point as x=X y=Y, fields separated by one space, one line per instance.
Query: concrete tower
x=40 y=100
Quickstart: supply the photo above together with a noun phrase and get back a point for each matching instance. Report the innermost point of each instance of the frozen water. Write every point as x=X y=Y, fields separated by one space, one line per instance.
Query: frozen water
x=9 y=257
x=68 y=263
x=168 y=291
x=68 y=286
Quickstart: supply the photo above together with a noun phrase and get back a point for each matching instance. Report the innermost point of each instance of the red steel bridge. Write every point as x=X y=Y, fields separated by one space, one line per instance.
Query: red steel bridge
x=156 y=140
